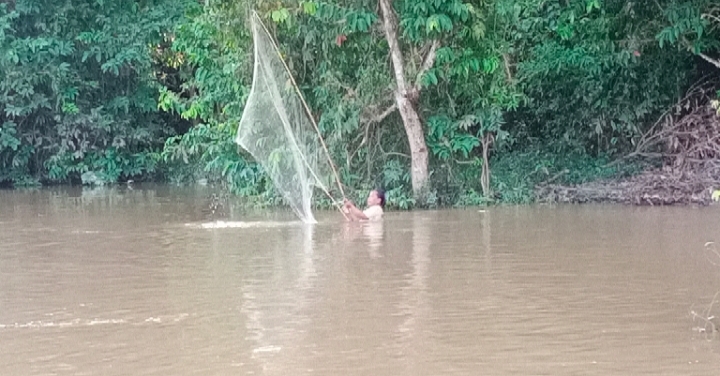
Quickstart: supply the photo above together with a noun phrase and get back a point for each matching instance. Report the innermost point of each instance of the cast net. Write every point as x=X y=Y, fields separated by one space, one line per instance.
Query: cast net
x=277 y=129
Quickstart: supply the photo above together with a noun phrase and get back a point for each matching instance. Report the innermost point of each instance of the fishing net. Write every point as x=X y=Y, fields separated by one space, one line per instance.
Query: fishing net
x=277 y=130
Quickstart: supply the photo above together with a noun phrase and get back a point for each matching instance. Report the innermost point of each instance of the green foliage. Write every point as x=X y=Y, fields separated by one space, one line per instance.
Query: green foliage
x=213 y=147
x=446 y=138
x=471 y=197
x=432 y=19
x=396 y=179
x=212 y=48
x=691 y=25
x=580 y=78
x=593 y=75
x=452 y=140
x=516 y=174
x=97 y=91
x=77 y=93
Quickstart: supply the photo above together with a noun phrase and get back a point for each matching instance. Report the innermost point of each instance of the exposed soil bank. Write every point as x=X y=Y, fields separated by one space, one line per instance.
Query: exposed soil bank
x=655 y=187
x=686 y=139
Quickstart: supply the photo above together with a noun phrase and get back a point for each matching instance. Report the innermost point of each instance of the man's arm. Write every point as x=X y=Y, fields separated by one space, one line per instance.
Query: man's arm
x=353 y=212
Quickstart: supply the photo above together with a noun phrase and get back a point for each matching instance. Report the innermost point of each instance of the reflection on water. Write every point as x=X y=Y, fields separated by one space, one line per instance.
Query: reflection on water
x=143 y=282
x=370 y=234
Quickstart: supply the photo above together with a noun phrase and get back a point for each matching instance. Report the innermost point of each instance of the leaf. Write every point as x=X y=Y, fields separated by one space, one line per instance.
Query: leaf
x=478 y=30
x=429 y=78
x=716 y=195
x=7 y=136
x=70 y=108
x=444 y=55
x=446 y=23
x=309 y=7
x=591 y=4
x=280 y=15
x=432 y=24
x=490 y=64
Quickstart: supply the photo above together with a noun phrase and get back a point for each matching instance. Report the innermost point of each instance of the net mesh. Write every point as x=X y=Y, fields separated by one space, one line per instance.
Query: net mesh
x=276 y=130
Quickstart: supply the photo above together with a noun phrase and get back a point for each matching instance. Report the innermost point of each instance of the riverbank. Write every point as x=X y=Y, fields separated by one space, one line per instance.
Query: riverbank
x=663 y=186
x=689 y=146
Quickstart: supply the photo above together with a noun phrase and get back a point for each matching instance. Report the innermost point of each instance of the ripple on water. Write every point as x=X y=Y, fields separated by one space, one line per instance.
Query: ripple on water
x=39 y=324
x=243 y=224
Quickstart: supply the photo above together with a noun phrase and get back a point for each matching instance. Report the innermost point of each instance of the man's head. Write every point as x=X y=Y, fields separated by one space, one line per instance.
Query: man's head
x=376 y=197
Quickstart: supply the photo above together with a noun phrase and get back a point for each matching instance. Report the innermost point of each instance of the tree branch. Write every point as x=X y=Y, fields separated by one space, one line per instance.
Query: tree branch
x=712 y=16
x=506 y=63
x=380 y=117
x=373 y=117
x=376 y=118
x=428 y=62
x=506 y=60
x=707 y=58
x=715 y=62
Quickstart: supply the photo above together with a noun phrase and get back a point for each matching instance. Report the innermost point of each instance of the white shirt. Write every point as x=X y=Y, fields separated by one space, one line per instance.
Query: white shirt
x=374 y=213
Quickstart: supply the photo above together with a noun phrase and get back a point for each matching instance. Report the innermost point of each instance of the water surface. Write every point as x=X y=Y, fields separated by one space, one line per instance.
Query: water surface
x=146 y=282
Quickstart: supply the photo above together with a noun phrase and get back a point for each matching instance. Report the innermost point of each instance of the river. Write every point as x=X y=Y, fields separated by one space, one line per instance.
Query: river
x=144 y=281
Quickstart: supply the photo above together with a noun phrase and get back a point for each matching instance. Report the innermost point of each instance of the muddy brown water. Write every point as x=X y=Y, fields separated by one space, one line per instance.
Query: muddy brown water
x=143 y=282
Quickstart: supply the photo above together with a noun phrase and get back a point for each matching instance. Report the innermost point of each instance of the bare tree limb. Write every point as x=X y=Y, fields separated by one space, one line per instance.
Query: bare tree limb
x=373 y=115
x=376 y=118
x=715 y=62
x=380 y=117
x=428 y=62
x=508 y=73
x=712 y=16
x=424 y=49
x=710 y=60
x=659 y=7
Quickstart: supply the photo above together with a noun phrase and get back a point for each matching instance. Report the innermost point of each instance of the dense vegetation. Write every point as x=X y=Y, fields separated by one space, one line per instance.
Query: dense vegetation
x=506 y=93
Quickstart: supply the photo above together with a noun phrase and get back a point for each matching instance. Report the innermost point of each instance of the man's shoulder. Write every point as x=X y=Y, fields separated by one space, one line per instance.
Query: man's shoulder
x=374 y=212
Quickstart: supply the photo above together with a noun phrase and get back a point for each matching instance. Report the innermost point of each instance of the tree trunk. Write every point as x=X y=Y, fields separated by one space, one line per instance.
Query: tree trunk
x=418 y=148
x=406 y=97
x=487 y=141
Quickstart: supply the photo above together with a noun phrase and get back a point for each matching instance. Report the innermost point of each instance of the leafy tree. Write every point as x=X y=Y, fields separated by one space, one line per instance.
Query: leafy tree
x=693 y=26
x=418 y=96
x=212 y=50
x=78 y=89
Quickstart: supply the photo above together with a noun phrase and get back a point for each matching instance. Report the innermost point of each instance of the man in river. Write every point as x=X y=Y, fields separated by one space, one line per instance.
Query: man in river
x=374 y=210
